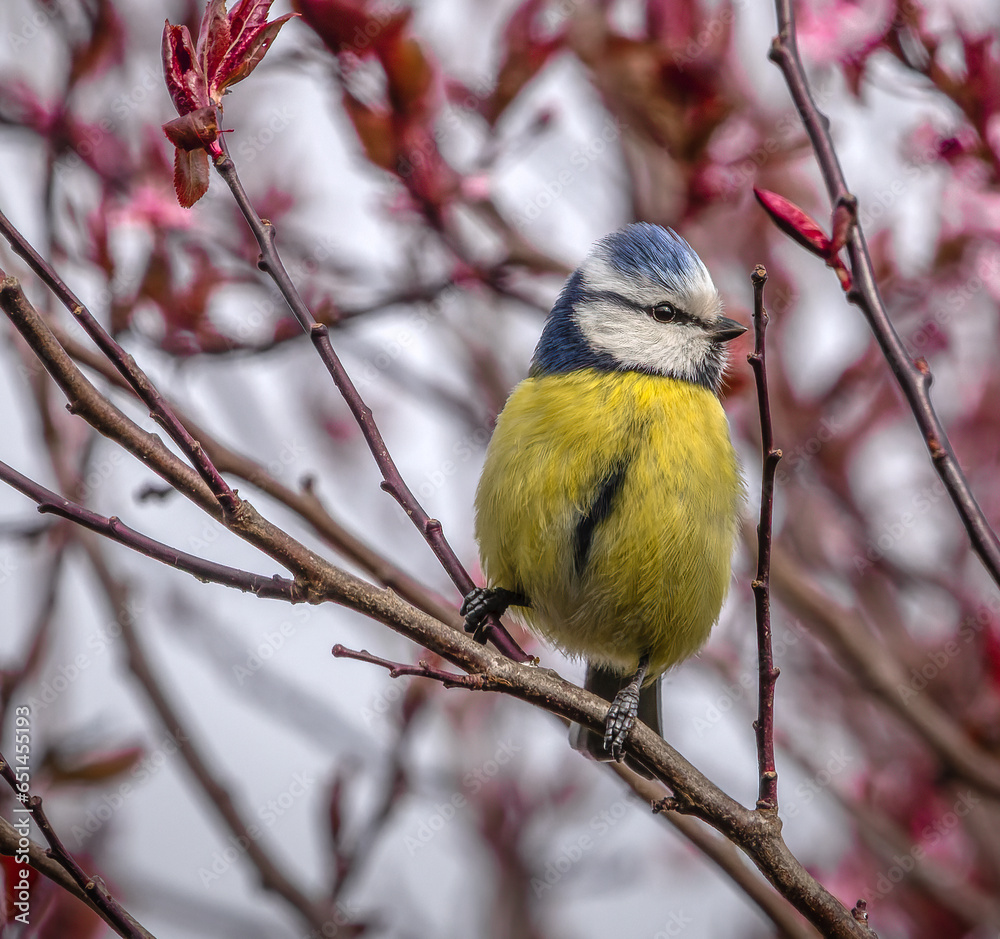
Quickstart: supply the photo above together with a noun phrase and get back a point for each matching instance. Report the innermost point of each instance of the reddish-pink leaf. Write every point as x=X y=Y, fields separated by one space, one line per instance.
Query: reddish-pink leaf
x=190 y=176
x=194 y=131
x=185 y=81
x=526 y=51
x=244 y=55
x=249 y=15
x=795 y=222
x=214 y=37
x=347 y=26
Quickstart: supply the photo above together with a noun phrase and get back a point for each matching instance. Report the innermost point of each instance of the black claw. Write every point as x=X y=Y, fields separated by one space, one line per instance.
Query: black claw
x=621 y=719
x=480 y=602
x=624 y=712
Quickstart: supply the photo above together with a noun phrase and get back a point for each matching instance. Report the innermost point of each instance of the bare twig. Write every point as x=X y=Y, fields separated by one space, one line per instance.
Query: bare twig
x=249 y=837
x=92 y=887
x=275 y=587
x=42 y=861
x=393 y=483
x=305 y=502
x=159 y=410
x=767 y=798
x=914 y=378
x=420 y=670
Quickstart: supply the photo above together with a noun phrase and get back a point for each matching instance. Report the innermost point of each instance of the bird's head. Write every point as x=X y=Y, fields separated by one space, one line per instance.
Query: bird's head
x=641 y=301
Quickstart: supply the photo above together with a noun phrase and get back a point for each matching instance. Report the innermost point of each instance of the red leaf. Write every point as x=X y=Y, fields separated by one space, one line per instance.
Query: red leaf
x=347 y=26
x=244 y=55
x=408 y=71
x=185 y=82
x=795 y=222
x=193 y=131
x=525 y=54
x=190 y=176
x=213 y=37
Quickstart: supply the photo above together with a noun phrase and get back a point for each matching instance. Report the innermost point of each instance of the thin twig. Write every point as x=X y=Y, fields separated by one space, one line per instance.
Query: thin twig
x=767 y=798
x=249 y=837
x=276 y=587
x=393 y=483
x=158 y=408
x=305 y=502
x=42 y=861
x=420 y=670
x=914 y=378
x=93 y=887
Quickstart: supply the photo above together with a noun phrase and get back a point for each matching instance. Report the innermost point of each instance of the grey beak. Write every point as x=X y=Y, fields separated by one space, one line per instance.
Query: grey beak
x=726 y=329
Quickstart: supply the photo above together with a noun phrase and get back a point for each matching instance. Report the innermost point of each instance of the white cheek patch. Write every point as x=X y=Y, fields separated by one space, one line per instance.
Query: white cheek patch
x=638 y=341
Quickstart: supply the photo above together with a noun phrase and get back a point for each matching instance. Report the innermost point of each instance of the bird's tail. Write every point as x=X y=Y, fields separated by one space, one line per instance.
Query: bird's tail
x=607 y=683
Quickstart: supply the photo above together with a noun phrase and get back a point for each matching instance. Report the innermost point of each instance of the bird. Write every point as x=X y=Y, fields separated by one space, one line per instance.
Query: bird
x=607 y=508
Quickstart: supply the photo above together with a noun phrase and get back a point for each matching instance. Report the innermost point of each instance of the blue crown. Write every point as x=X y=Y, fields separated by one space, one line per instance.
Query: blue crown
x=639 y=252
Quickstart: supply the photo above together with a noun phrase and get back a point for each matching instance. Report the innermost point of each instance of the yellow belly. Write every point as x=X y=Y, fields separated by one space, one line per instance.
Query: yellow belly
x=658 y=566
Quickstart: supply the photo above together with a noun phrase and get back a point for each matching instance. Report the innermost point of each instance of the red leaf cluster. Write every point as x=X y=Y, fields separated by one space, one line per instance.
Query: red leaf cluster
x=230 y=46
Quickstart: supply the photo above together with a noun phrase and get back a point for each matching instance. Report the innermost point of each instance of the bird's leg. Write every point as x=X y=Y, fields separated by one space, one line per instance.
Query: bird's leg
x=624 y=710
x=481 y=601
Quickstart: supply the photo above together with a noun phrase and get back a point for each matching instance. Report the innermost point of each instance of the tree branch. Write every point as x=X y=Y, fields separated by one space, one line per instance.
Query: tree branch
x=42 y=861
x=393 y=483
x=913 y=378
x=144 y=388
x=767 y=798
x=92 y=887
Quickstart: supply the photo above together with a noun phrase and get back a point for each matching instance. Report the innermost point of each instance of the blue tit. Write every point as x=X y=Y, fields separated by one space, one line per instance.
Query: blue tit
x=607 y=510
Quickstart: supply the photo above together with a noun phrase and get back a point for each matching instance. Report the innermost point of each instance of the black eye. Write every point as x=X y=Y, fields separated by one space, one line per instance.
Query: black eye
x=665 y=313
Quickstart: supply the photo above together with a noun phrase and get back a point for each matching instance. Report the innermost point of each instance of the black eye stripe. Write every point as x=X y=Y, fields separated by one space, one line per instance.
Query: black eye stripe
x=676 y=314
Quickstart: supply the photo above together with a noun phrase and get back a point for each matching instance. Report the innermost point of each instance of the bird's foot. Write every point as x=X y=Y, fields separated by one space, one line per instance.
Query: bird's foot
x=480 y=602
x=621 y=719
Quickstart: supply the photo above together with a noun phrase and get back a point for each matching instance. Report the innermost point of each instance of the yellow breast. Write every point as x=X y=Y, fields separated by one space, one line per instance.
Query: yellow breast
x=656 y=569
